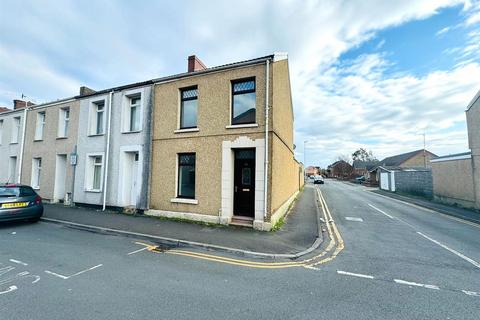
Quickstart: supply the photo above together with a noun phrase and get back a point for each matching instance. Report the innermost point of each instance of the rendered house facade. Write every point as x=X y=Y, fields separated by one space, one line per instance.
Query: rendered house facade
x=113 y=148
x=50 y=139
x=11 y=135
x=219 y=155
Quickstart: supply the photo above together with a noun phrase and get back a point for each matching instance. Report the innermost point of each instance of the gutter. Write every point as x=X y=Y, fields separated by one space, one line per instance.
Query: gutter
x=265 y=189
x=22 y=145
x=107 y=151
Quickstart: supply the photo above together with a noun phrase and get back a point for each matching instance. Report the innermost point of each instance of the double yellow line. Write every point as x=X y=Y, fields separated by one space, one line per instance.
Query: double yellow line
x=323 y=257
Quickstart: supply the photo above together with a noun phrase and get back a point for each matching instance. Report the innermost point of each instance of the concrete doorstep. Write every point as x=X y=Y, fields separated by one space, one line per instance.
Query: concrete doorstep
x=300 y=235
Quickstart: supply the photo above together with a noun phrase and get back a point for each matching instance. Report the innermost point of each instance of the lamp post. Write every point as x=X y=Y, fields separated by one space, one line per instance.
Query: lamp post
x=305 y=159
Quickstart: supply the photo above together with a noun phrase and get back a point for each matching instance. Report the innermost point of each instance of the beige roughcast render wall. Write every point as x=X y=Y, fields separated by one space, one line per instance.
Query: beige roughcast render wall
x=49 y=147
x=284 y=175
x=453 y=182
x=213 y=118
x=214 y=101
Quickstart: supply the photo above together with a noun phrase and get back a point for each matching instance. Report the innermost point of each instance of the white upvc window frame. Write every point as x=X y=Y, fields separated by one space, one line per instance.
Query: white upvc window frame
x=90 y=171
x=35 y=180
x=93 y=116
x=40 y=125
x=16 y=124
x=127 y=109
x=1 y=131
x=63 y=122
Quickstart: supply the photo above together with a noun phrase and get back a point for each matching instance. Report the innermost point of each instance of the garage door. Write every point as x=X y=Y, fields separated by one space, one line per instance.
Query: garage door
x=384 y=180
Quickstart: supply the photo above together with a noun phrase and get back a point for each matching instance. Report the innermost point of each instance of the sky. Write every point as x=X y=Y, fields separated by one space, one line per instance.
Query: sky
x=371 y=74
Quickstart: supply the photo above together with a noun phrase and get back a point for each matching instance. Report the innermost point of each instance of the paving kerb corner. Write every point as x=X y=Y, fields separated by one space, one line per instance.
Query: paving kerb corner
x=198 y=245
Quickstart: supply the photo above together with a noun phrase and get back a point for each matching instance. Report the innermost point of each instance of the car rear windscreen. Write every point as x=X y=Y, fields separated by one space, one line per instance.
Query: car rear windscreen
x=16 y=192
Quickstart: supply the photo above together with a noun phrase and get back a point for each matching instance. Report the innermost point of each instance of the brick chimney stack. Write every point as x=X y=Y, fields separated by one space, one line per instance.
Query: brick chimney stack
x=84 y=90
x=195 y=64
x=20 y=104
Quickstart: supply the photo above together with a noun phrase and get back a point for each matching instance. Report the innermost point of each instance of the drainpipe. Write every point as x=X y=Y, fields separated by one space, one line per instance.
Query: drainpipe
x=265 y=188
x=107 y=151
x=22 y=145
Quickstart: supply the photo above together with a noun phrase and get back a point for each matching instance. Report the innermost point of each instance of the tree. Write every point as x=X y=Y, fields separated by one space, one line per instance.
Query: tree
x=344 y=157
x=363 y=155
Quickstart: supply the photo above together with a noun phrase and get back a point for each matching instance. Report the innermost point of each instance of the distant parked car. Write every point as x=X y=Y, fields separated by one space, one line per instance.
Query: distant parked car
x=19 y=202
x=360 y=179
x=318 y=180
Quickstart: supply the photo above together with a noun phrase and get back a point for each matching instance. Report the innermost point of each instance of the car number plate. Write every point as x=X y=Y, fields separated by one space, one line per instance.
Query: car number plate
x=15 y=205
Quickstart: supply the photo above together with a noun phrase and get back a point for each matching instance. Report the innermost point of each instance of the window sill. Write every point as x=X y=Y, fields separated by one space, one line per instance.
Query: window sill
x=94 y=191
x=60 y=138
x=182 y=200
x=239 y=126
x=36 y=188
x=186 y=130
x=37 y=140
x=136 y=131
x=13 y=142
x=96 y=135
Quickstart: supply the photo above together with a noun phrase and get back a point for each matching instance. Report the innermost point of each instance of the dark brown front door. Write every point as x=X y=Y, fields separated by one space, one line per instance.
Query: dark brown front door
x=244 y=183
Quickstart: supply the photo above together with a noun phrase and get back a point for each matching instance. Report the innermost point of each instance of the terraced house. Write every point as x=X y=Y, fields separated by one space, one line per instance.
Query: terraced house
x=114 y=146
x=50 y=139
x=11 y=142
x=223 y=143
x=211 y=144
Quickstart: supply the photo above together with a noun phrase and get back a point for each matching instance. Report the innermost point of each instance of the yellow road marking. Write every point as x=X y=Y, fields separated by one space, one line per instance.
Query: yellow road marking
x=332 y=232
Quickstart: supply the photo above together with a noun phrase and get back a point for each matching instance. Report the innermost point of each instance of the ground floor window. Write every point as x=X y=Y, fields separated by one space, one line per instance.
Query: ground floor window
x=186 y=175
x=94 y=172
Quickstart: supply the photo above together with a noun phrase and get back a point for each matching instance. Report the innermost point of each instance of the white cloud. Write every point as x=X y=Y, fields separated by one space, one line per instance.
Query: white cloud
x=64 y=44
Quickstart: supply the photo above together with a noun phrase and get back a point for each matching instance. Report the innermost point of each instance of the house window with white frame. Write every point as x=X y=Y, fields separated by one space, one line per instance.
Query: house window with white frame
x=1 y=131
x=94 y=173
x=97 y=118
x=36 y=172
x=63 y=122
x=15 y=130
x=134 y=113
x=40 y=126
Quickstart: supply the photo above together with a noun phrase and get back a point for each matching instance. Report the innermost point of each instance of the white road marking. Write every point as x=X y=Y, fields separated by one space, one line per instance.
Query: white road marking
x=359 y=275
x=73 y=275
x=139 y=250
x=381 y=211
x=464 y=257
x=313 y=268
x=56 y=275
x=471 y=293
x=408 y=283
x=18 y=262
x=354 y=219
x=10 y=289
x=83 y=271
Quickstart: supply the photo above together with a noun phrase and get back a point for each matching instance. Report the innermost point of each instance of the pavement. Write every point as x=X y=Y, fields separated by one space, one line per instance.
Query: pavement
x=398 y=262
x=299 y=233
x=462 y=213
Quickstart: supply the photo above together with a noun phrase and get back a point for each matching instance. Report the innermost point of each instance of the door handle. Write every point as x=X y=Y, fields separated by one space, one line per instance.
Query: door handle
x=236 y=188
